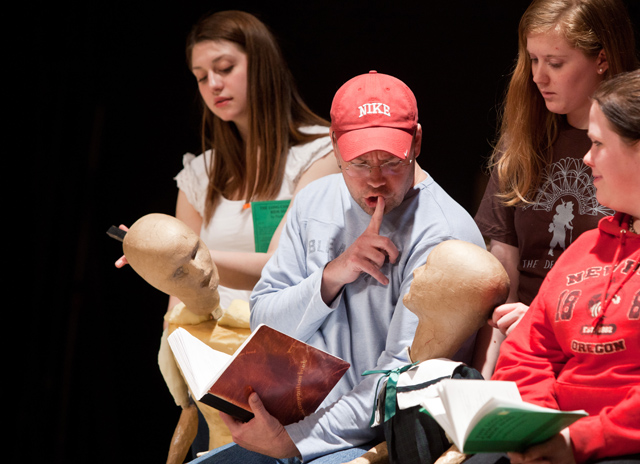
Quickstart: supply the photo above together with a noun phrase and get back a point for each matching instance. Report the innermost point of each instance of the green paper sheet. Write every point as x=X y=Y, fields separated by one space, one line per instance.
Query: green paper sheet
x=266 y=218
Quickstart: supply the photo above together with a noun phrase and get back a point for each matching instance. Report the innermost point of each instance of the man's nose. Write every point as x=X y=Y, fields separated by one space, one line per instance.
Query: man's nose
x=375 y=178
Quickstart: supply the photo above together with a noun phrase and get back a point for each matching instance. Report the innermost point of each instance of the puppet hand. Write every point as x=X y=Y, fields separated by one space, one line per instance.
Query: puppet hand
x=506 y=317
x=263 y=434
x=367 y=254
x=556 y=450
x=122 y=261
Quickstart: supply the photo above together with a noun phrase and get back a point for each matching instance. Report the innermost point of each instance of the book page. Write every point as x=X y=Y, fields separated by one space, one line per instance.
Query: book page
x=199 y=363
x=463 y=398
x=514 y=426
x=435 y=408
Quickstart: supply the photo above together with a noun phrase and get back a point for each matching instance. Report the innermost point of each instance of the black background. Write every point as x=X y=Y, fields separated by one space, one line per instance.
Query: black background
x=110 y=108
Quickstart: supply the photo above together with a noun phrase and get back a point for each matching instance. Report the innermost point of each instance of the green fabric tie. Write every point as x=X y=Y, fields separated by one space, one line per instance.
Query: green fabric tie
x=390 y=395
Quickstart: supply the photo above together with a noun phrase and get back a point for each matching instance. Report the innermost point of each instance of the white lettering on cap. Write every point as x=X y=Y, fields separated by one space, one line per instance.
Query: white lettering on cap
x=374 y=108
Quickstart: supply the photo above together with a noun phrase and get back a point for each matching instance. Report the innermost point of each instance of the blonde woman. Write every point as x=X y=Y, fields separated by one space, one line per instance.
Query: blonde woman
x=540 y=196
x=577 y=346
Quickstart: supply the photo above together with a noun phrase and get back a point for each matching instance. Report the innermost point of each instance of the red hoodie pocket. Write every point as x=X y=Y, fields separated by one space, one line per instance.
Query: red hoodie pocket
x=590 y=398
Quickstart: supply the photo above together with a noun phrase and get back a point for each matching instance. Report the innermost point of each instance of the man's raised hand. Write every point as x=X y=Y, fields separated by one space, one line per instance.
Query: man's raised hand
x=367 y=254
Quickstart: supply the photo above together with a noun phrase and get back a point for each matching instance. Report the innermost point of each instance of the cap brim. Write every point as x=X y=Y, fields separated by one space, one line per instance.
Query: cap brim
x=357 y=142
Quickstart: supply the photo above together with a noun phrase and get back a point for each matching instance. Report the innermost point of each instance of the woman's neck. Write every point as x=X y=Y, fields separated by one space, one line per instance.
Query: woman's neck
x=579 y=119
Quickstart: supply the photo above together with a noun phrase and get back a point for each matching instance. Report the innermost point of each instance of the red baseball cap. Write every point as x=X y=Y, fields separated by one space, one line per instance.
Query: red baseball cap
x=374 y=112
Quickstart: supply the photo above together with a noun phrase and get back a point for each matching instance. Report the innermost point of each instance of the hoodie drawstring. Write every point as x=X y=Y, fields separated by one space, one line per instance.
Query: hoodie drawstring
x=606 y=301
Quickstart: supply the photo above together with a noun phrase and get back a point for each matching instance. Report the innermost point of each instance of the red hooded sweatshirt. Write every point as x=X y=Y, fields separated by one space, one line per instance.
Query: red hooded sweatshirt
x=578 y=346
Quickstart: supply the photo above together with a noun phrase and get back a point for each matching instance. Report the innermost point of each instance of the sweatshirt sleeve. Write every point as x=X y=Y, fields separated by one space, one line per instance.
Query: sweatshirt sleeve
x=531 y=356
x=613 y=432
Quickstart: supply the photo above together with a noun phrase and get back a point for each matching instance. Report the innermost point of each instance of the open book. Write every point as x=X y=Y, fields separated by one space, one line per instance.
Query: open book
x=291 y=377
x=490 y=416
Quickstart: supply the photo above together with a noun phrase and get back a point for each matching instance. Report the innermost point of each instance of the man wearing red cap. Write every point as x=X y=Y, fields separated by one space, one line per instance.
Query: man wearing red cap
x=343 y=264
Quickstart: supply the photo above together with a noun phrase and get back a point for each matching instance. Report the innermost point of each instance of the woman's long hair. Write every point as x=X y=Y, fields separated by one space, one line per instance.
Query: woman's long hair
x=255 y=170
x=528 y=128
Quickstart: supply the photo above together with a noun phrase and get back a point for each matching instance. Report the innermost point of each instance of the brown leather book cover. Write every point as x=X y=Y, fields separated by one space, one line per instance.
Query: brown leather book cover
x=291 y=377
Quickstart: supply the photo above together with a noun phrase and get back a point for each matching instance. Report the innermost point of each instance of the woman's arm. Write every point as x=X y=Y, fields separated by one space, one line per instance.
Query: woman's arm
x=490 y=336
x=242 y=270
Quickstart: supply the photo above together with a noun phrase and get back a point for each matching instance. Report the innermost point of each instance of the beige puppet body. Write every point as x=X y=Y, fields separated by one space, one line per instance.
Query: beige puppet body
x=453 y=295
x=225 y=335
x=172 y=258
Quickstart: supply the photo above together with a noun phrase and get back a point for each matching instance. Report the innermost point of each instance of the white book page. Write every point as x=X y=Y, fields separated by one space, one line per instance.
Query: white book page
x=463 y=398
x=199 y=363
x=436 y=409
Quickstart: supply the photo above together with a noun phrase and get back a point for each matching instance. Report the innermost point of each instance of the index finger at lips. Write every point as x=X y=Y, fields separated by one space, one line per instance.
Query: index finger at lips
x=376 y=217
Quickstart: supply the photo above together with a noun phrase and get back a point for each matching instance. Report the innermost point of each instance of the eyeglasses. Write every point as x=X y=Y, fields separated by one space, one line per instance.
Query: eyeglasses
x=390 y=168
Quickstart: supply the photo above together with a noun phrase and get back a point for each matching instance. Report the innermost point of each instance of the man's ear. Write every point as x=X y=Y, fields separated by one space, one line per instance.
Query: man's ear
x=417 y=141
x=601 y=62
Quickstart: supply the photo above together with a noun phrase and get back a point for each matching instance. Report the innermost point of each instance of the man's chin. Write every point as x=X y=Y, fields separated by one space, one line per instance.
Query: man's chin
x=366 y=208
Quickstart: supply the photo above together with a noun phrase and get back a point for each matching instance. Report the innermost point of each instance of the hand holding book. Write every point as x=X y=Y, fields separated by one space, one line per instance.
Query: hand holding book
x=489 y=416
x=263 y=434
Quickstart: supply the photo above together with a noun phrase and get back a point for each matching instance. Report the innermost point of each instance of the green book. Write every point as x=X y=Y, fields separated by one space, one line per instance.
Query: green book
x=490 y=416
x=266 y=218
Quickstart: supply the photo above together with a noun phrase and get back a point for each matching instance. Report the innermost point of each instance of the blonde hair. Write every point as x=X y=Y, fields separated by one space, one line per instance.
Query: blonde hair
x=528 y=129
x=253 y=168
